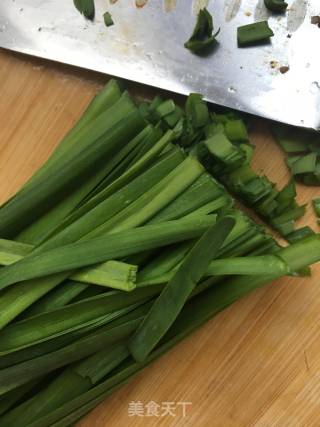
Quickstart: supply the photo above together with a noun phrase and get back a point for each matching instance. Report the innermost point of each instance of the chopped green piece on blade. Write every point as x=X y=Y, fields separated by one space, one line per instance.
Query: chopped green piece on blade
x=277 y=6
x=202 y=39
x=108 y=21
x=254 y=33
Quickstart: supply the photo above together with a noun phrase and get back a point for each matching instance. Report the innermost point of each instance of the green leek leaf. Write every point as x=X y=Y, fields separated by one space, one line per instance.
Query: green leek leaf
x=254 y=33
x=276 y=5
x=108 y=21
x=173 y=297
x=202 y=39
x=85 y=7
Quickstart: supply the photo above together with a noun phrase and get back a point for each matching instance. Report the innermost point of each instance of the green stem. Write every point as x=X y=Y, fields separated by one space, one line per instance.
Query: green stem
x=194 y=314
x=74 y=317
x=175 y=294
x=28 y=370
x=22 y=295
x=107 y=97
x=32 y=201
x=113 y=246
x=72 y=382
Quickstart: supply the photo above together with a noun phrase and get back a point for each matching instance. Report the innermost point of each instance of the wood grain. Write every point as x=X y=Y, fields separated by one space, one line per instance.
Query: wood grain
x=255 y=364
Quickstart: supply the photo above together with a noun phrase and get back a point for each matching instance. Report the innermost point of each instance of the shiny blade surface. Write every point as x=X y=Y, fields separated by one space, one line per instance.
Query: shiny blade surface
x=146 y=45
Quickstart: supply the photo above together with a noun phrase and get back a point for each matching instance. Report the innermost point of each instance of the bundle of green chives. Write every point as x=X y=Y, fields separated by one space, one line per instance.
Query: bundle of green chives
x=221 y=142
x=110 y=251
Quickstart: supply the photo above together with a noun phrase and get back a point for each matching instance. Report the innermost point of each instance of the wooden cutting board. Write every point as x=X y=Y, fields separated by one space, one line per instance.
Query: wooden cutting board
x=255 y=364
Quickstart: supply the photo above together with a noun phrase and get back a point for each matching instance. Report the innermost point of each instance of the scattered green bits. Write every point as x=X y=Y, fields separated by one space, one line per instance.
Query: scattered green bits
x=202 y=39
x=254 y=33
x=108 y=19
x=277 y=6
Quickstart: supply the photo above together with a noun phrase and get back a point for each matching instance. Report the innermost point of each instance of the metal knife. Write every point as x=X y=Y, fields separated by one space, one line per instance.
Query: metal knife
x=146 y=45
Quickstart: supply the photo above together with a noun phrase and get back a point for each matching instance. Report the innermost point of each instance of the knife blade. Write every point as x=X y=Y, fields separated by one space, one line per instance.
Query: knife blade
x=145 y=45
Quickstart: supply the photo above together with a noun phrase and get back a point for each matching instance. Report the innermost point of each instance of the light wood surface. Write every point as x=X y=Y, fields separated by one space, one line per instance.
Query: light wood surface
x=256 y=363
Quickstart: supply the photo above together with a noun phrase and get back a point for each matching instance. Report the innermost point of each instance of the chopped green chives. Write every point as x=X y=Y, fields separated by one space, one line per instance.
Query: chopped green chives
x=316 y=206
x=305 y=164
x=197 y=110
x=287 y=195
x=290 y=139
x=173 y=118
x=302 y=164
x=277 y=6
x=166 y=108
x=254 y=33
x=220 y=147
x=202 y=39
x=156 y=102
x=108 y=21
x=236 y=131
x=300 y=233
